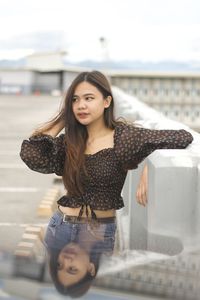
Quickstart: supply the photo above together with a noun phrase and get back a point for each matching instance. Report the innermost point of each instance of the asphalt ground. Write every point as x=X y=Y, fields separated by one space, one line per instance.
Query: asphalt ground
x=21 y=189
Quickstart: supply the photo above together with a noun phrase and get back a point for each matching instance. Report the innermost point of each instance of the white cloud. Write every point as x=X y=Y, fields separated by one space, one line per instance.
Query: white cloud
x=145 y=29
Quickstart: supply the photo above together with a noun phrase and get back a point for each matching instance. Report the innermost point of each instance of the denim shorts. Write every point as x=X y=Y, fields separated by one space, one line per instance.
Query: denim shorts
x=60 y=233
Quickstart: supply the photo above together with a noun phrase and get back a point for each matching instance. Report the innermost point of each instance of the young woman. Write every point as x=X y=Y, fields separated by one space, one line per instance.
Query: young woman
x=95 y=152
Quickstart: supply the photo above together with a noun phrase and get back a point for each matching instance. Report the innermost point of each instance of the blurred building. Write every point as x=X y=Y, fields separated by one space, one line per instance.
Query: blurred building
x=43 y=72
x=176 y=94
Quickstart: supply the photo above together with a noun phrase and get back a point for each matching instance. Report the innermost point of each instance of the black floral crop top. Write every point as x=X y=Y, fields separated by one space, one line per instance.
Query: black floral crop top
x=108 y=167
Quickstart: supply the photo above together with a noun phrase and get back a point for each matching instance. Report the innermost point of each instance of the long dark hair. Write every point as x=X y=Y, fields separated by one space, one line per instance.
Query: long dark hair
x=76 y=134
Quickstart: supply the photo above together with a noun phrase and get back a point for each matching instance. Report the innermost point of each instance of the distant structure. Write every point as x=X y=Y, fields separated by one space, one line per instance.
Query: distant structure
x=44 y=72
x=176 y=94
x=105 y=52
x=44 y=61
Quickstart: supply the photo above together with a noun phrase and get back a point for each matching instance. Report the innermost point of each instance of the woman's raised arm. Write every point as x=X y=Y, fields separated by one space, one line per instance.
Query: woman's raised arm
x=44 y=152
x=135 y=144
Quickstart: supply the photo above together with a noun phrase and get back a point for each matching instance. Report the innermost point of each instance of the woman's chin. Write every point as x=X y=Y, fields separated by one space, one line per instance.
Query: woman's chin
x=84 y=122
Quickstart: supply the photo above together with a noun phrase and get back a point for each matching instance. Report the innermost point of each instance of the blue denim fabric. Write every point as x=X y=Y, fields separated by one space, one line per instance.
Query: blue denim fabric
x=60 y=233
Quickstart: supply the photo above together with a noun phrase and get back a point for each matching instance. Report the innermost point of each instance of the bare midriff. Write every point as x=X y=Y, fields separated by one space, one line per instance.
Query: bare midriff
x=99 y=213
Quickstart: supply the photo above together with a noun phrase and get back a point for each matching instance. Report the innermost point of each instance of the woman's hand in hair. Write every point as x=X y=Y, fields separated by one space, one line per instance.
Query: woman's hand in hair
x=141 y=194
x=55 y=128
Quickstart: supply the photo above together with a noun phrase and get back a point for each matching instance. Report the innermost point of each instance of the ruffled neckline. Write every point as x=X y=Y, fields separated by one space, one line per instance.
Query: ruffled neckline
x=99 y=152
x=43 y=136
x=108 y=149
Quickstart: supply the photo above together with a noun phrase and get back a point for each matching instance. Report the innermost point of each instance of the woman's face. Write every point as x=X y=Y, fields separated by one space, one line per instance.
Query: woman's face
x=88 y=103
x=73 y=264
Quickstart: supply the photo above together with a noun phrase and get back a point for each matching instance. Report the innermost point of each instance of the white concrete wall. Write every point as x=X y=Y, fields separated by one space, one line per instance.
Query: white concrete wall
x=14 y=77
x=171 y=220
x=12 y=81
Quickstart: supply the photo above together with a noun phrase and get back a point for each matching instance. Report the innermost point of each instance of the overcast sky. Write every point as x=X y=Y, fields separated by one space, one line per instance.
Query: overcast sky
x=148 y=30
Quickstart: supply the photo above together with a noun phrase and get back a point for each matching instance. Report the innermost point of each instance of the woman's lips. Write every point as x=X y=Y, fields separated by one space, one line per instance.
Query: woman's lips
x=83 y=115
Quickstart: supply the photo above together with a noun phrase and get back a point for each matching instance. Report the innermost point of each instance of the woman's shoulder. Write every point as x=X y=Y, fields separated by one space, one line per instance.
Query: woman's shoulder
x=125 y=128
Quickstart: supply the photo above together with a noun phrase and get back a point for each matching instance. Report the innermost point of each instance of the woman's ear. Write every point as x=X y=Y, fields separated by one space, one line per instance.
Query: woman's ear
x=91 y=269
x=108 y=101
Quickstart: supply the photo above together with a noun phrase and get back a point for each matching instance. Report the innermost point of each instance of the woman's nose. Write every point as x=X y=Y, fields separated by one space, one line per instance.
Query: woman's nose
x=68 y=261
x=81 y=104
x=69 y=256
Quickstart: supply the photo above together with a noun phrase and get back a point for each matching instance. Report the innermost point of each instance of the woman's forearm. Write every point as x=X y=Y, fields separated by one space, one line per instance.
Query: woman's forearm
x=145 y=170
x=141 y=194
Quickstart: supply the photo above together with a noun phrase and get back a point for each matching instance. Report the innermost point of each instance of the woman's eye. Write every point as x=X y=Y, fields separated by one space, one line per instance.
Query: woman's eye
x=89 y=98
x=74 y=99
x=59 y=265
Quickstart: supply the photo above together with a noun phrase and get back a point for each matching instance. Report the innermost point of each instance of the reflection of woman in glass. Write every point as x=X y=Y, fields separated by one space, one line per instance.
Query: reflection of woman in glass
x=75 y=249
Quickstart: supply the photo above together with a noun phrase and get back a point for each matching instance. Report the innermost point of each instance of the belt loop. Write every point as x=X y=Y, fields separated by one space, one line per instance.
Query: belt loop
x=63 y=219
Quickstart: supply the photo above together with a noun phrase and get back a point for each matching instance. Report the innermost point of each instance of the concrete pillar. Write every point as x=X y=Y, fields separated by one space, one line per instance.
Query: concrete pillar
x=173 y=209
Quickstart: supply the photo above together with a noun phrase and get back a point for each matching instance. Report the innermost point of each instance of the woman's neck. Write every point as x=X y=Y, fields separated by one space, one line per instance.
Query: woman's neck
x=96 y=130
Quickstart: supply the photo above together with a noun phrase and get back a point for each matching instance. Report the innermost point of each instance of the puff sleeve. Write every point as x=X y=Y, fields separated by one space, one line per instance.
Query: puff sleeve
x=44 y=153
x=134 y=144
